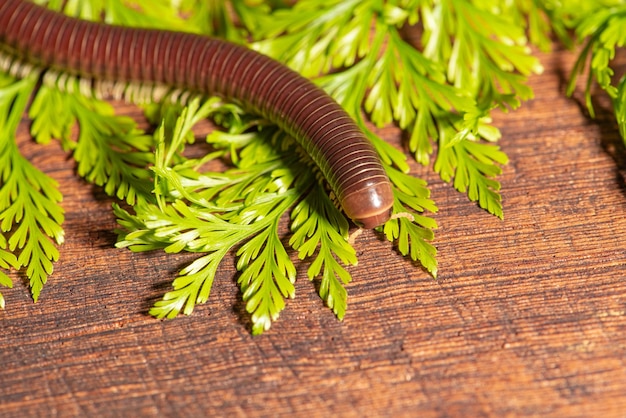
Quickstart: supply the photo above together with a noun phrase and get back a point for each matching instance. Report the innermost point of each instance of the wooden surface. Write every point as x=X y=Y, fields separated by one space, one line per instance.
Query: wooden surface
x=528 y=317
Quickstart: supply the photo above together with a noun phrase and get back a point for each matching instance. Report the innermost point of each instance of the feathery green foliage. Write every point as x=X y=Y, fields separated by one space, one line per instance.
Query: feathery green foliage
x=435 y=68
x=30 y=214
x=471 y=59
x=601 y=28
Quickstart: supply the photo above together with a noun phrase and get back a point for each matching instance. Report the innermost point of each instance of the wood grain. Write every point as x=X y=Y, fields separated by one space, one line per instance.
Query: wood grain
x=528 y=317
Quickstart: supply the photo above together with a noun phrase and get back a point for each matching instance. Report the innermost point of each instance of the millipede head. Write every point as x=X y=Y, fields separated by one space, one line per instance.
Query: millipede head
x=371 y=207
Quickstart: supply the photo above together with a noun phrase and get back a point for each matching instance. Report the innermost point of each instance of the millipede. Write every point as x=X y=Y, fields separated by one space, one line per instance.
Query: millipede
x=33 y=35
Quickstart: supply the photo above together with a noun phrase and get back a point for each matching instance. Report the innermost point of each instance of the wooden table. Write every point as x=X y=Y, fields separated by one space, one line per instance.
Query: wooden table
x=527 y=318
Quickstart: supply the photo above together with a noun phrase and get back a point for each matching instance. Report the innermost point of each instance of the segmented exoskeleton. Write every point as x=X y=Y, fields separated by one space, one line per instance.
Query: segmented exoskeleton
x=35 y=35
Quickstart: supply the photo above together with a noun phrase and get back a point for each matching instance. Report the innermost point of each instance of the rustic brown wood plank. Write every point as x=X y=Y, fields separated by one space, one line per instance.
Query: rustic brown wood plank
x=528 y=317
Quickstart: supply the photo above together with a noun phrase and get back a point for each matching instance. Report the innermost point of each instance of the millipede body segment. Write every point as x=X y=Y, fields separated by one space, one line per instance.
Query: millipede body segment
x=35 y=35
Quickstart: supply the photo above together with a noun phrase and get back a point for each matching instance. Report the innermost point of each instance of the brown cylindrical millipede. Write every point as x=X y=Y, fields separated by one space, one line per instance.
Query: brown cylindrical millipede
x=33 y=34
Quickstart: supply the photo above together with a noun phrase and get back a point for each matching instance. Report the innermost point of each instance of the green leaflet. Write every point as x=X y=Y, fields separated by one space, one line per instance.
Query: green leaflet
x=602 y=30
x=316 y=223
x=7 y=260
x=30 y=214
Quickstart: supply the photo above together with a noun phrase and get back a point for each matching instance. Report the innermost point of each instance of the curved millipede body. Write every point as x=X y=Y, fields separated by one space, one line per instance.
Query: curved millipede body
x=38 y=36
